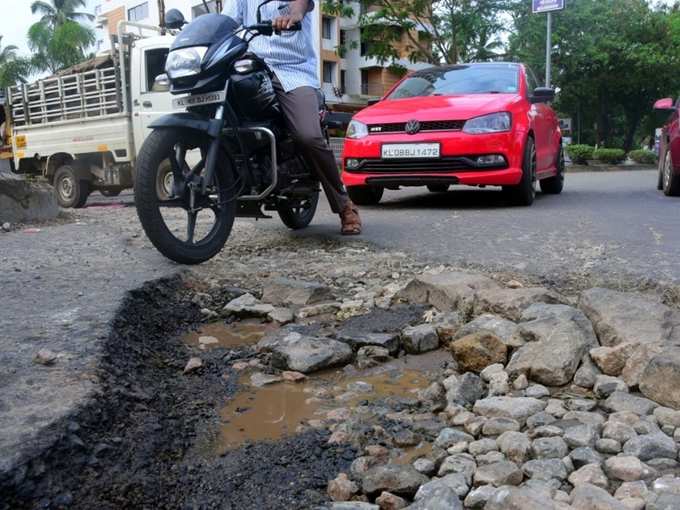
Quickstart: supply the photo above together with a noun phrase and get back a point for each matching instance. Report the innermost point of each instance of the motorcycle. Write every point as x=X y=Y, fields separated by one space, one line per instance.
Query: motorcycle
x=230 y=153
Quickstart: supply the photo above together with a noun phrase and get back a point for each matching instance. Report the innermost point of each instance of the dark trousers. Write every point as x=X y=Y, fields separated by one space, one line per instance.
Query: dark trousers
x=301 y=110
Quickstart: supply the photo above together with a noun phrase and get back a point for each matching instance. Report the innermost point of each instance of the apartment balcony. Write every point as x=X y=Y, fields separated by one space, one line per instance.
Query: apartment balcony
x=372 y=89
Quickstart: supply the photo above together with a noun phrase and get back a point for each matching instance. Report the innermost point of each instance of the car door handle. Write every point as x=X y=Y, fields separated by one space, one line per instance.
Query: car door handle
x=147 y=104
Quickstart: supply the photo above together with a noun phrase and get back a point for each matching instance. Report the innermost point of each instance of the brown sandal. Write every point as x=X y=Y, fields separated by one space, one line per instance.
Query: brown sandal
x=350 y=220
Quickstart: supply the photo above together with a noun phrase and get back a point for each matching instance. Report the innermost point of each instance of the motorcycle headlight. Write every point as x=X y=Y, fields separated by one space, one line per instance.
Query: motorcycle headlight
x=185 y=62
x=357 y=129
x=492 y=123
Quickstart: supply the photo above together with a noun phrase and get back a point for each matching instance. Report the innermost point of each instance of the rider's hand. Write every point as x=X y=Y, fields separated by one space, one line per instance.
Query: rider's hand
x=286 y=21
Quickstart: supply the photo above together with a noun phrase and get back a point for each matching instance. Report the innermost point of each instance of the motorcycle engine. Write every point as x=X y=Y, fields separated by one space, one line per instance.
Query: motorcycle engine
x=252 y=92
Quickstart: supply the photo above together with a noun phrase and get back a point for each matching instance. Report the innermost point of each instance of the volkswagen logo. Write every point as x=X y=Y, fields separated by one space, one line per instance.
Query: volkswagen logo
x=412 y=127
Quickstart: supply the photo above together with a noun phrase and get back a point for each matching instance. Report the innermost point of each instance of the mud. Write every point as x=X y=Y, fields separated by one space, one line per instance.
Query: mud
x=141 y=443
x=220 y=334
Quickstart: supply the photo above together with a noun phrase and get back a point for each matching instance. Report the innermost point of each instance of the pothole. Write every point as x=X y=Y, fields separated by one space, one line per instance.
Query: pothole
x=228 y=336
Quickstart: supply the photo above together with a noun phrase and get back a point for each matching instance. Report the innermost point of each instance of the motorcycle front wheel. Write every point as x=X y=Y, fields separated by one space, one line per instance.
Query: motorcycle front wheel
x=186 y=229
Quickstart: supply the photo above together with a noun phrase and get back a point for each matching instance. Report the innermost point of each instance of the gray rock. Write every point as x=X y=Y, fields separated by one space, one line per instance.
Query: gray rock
x=663 y=501
x=521 y=382
x=621 y=432
x=478 y=497
x=637 y=489
x=47 y=357
x=588 y=418
x=460 y=463
x=537 y=391
x=449 y=437
x=498 y=474
x=287 y=292
x=6 y=226
x=583 y=456
x=581 y=405
x=449 y=291
x=293 y=351
x=608 y=446
x=661 y=465
x=447 y=325
x=623 y=401
x=434 y=396
x=651 y=446
x=540 y=419
x=660 y=379
x=511 y=303
x=502 y=328
x=371 y=355
x=425 y=466
x=605 y=385
x=549 y=448
x=590 y=473
x=418 y=339
x=580 y=435
x=667 y=416
x=545 y=431
x=482 y=446
x=545 y=469
x=639 y=360
x=389 y=341
x=454 y=481
x=259 y=379
x=496 y=426
x=439 y=498
x=514 y=445
x=248 y=305
x=281 y=315
x=397 y=479
x=587 y=373
x=625 y=468
x=620 y=317
x=490 y=458
x=558 y=337
x=520 y=498
x=668 y=484
x=353 y=505
x=24 y=201
x=476 y=351
x=516 y=408
x=590 y=497
x=465 y=390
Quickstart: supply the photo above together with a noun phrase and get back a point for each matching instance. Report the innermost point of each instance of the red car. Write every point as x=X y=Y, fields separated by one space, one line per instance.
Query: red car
x=669 y=150
x=485 y=124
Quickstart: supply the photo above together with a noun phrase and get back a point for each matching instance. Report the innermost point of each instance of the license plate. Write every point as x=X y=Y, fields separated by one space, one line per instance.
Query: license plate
x=198 y=100
x=410 y=150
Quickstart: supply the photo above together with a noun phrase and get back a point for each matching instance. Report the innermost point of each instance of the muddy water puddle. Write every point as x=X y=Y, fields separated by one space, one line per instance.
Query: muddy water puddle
x=228 y=336
x=278 y=410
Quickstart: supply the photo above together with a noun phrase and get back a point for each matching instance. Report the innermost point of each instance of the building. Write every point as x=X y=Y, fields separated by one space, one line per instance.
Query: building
x=348 y=77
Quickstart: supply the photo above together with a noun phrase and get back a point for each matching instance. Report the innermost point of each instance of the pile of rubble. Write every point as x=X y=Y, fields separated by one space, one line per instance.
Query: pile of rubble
x=548 y=402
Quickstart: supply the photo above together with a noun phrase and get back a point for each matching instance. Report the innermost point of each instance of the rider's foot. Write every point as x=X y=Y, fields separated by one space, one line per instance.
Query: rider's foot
x=350 y=220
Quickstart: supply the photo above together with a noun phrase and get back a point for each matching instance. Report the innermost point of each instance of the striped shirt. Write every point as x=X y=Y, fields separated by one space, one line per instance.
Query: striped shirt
x=290 y=55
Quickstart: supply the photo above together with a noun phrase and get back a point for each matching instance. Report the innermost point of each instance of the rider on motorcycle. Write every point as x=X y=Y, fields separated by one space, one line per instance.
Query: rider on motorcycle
x=292 y=58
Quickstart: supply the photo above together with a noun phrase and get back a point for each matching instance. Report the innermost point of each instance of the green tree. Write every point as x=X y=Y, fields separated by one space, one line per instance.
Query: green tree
x=438 y=32
x=59 y=40
x=13 y=68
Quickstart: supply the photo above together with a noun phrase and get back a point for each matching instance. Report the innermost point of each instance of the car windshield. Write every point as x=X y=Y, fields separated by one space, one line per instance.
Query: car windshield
x=462 y=79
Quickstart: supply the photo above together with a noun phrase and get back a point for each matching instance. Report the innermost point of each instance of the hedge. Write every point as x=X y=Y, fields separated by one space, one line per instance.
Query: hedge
x=580 y=154
x=643 y=157
x=611 y=156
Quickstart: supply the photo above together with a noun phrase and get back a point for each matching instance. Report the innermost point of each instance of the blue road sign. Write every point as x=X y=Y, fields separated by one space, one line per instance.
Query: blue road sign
x=539 y=6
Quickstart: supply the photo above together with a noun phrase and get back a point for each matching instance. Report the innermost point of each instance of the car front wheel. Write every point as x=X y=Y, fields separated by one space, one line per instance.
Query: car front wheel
x=670 y=180
x=365 y=195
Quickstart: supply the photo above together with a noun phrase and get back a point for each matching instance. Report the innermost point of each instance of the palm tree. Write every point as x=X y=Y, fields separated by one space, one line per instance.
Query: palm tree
x=57 y=12
x=13 y=69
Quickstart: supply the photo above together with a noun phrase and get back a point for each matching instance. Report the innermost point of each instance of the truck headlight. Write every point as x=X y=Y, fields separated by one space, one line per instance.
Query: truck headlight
x=185 y=62
x=357 y=129
x=492 y=123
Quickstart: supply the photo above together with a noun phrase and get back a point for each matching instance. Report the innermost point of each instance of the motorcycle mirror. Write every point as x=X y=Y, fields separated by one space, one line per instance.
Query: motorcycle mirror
x=161 y=83
x=174 y=19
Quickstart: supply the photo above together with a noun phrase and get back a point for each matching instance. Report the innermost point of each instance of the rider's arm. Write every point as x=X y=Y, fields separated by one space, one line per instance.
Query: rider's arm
x=235 y=10
x=297 y=11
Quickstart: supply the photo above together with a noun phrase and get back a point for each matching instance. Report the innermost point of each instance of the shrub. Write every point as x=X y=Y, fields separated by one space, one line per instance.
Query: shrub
x=643 y=157
x=580 y=154
x=611 y=156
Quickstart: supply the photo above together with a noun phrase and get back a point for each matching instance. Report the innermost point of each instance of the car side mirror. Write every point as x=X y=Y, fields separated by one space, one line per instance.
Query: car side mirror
x=174 y=19
x=542 y=95
x=161 y=83
x=371 y=102
x=664 y=105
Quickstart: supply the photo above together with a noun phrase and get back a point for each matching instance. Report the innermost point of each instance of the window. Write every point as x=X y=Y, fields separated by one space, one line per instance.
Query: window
x=343 y=81
x=460 y=79
x=139 y=12
x=327 y=28
x=343 y=37
x=364 y=82
x=328 y=72
x=199 y=10
x=532 y=83
x=154 y=65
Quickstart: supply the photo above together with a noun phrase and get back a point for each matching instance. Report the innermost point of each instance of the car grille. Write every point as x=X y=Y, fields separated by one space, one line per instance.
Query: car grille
x=445 y=164
x=429 y=125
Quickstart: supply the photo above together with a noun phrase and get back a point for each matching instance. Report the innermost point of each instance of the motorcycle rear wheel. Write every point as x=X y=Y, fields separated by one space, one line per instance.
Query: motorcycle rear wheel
x=164 y=218
x=299 y=214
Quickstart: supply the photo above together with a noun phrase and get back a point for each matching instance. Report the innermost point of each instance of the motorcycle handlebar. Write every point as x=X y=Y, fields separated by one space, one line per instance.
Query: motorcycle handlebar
x=266 y=28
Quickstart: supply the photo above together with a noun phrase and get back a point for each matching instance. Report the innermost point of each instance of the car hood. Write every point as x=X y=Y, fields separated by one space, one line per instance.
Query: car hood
x=436 y=108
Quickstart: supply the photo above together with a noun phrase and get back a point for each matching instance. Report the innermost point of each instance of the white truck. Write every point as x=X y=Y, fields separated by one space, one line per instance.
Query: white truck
x=82 y=129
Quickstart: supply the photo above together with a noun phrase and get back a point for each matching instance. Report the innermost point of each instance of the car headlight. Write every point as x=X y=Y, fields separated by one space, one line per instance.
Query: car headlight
x=185 y=62
x=492 y=123
x=357 y=129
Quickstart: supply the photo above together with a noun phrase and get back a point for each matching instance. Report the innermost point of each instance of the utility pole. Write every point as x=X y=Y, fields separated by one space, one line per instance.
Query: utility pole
x=161 y=13
x=548 y=52
x=547 y=7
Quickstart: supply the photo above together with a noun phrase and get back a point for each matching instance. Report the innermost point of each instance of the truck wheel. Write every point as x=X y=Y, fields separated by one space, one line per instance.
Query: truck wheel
x=671 y=180
x=365 y=195
x=71 y=190
x=523 y=194
x=554 y=185
x=299 y=214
